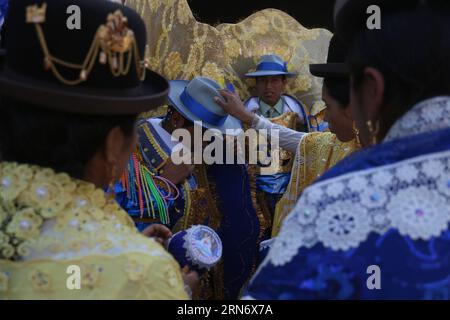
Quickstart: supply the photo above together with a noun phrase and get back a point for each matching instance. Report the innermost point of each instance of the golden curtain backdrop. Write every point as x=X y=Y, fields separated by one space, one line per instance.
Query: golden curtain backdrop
x=180 y=47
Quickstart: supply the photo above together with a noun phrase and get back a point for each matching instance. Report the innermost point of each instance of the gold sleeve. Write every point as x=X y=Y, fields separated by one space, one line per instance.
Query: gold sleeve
x=134 y=276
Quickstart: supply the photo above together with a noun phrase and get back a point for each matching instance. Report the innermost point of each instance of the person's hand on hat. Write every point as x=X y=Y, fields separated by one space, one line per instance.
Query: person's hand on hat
x=233 y=105
x=176 y=173
x=159 y=232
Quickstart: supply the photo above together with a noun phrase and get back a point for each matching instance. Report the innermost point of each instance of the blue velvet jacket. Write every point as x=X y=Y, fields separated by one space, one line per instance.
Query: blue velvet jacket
x=239 y=224
x=376 y=226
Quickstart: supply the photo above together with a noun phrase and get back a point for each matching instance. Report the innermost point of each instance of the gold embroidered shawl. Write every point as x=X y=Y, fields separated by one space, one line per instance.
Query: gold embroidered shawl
x=317 y=152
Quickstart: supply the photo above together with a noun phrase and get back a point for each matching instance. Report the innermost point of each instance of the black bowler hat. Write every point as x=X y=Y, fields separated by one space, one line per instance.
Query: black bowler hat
x=335 y=66
x=98 y=69
x=350 y=16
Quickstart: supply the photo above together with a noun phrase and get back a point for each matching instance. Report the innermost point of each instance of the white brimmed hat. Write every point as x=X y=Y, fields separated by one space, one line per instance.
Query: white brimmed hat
x=195 y=101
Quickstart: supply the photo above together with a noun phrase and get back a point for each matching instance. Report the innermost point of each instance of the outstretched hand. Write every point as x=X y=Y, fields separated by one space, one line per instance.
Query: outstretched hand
x=233 y=105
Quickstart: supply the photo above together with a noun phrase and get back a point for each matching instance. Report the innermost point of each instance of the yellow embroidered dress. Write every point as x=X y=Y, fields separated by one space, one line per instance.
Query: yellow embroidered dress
x=51 y=225
x=317 y=152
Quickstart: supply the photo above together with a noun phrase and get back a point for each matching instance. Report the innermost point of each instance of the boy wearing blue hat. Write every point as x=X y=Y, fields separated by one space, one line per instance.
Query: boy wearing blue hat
x=271 y=77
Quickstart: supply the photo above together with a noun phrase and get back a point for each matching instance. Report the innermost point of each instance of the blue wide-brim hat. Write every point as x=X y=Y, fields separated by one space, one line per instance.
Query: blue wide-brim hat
x=271 y=65
x=195 y=101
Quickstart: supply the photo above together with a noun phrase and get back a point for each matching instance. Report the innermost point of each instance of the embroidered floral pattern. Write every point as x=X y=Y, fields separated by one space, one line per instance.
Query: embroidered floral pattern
x=412 y=196
x=90 y=275
x=25 y=224
x=40 y=280
x=32 y=196
x=432 y=114
x=135 y=270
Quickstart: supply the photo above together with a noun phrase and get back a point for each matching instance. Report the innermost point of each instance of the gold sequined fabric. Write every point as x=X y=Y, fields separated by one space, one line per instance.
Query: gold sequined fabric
x=51 y=223
x=317 y=153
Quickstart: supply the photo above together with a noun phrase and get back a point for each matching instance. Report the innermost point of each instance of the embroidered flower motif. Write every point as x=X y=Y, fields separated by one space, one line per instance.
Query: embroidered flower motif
x=135 y=270
x=25 y=224
x=47 y=193
x=373 y=197
x=73 y=208
x=357 y=183
x=343 y=226
x=4 y=279
x=433 y=168
x=10 y=187
x=432 y=113
x=335 y=189
x=382 y=178
x=173 y=65
x=73 y=219
x=66 y=182
x=314 y=195
x=85 y=188
x=40 y=280
x=8 y=251
x=306 y=214
x=96 y=213
x=24 y=249
x=97 y=198
x=81 y=202
x=90 y=275
x=417 y=213
x=407 y=173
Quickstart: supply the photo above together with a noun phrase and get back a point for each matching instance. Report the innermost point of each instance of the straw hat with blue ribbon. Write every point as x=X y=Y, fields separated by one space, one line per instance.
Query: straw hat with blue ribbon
x=271 y=65
x=195 y=101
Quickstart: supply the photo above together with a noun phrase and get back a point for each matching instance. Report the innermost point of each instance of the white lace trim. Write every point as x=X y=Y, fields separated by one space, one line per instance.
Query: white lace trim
x=412 y=196
x=429 y=115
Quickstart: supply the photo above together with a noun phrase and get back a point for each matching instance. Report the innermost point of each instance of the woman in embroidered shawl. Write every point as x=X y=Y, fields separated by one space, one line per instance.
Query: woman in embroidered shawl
x=63 y=139
x=315 y=152
x=376 y=225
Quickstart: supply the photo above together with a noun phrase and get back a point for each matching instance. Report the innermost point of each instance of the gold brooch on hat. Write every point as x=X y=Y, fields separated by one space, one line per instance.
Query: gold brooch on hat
x=114 y=44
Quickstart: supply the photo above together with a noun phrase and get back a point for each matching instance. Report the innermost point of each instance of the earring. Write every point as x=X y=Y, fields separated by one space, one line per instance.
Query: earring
x=356 y=133
x=373 y=131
